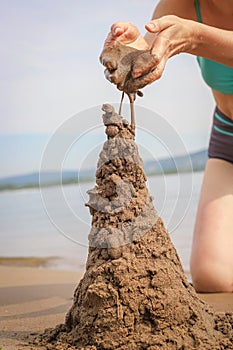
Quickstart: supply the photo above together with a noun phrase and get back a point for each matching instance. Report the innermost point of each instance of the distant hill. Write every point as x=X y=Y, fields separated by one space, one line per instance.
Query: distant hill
x=152 y=167
x=170 y=165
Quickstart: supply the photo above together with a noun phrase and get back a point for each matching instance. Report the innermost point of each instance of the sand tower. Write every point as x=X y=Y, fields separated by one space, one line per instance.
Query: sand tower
x=134 y=294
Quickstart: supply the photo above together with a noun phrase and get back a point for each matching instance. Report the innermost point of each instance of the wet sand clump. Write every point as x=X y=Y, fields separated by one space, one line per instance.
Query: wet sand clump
x=134 y=294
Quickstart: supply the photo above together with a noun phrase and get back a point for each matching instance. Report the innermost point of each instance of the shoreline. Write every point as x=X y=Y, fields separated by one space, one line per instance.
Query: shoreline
x=57 y=263
x=26 y=261
x=51 y=263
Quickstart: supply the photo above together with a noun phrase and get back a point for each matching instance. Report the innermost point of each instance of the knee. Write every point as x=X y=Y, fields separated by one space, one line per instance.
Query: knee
x=208 y=278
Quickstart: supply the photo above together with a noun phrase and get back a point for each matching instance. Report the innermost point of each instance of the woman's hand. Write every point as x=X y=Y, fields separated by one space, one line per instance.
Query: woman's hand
x=173 y=35
x=125 y=33
x=122 y=42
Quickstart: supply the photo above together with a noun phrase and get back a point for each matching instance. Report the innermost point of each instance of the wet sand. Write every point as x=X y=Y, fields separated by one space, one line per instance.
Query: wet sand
x=27 y=261
x=33 y=299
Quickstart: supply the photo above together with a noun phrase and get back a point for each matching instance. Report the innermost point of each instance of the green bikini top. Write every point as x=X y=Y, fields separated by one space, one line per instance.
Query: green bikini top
x=218 y=76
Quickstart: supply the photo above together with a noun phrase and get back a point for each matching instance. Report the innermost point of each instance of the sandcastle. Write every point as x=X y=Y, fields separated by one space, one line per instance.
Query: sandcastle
x=134 y=294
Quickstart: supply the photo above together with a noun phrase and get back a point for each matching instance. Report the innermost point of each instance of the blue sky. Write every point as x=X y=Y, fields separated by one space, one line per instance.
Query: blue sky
x=50 y=72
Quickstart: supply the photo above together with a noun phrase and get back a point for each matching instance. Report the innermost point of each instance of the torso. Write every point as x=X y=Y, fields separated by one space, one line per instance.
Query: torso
x=224 y=103
x=213 y=16
x=214 y=13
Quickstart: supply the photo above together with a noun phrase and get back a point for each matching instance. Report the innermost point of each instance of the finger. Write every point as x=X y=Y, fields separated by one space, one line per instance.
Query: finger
x=109 y=58
x=121 y=85
x=153 y=26
x=124 y=32
x=160 y=48
x=109 y=62
x=118 y=28
x=143 y=64
x=133 y=85
x=113 y=77
x=110 y=41
x=157 y=25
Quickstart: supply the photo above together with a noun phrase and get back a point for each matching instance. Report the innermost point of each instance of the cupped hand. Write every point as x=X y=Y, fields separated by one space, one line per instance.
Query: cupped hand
x=126 y=33
x=129 y=62
x=123 y=44
x=173 y=35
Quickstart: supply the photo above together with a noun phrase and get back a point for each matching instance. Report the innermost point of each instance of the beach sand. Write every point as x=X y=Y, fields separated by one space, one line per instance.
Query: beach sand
x=32 y=299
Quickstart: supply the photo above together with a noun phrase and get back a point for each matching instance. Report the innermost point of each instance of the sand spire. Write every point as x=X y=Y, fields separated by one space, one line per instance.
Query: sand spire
x=134 y=294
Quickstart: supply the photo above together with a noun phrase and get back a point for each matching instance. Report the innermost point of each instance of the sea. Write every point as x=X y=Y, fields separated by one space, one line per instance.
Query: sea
x=54 y=221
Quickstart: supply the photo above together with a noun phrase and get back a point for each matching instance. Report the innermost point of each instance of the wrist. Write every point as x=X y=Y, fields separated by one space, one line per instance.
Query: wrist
x=195 y=37
x=188 y=40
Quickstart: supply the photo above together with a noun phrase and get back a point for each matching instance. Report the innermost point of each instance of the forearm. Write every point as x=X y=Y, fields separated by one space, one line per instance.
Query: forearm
x=176 y=23
x=213 y=43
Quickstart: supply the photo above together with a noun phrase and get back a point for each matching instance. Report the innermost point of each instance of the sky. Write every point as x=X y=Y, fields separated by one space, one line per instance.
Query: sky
x=50 y=72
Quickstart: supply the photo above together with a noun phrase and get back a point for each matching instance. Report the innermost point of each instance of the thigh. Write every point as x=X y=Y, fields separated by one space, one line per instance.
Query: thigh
x=213 y=235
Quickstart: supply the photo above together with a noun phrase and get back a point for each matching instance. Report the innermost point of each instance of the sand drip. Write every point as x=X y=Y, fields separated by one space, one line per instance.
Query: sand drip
x=134 y=294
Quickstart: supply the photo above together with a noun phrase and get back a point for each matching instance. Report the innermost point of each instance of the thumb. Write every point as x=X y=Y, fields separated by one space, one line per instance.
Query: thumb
x=157 y=25
x=152 y=27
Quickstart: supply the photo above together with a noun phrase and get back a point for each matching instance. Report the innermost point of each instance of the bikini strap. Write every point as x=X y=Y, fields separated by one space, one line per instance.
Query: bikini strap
x=198 y=11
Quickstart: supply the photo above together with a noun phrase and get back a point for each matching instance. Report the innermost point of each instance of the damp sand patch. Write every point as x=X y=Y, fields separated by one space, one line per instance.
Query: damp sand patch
x=27 y=261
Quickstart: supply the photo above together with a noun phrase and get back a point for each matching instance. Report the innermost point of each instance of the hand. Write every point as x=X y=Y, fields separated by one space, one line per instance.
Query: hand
x=173 y=35
x=125 y=33
x=123 y=44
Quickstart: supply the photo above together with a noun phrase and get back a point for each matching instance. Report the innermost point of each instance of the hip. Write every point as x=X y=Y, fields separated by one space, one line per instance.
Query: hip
x=221 y=139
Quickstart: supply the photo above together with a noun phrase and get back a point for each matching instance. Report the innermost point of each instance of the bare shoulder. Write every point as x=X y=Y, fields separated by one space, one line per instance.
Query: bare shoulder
x=181 y=8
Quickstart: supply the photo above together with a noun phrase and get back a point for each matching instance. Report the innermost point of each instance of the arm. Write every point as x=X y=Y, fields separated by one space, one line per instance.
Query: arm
x=173 y=30
x=204 y=40
x=178 y=32
x=126 y=34
x=177 y=35
x=213 y=43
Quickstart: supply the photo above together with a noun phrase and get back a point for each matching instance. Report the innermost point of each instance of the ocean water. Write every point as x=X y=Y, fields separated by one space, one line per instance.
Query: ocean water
x=55 y=221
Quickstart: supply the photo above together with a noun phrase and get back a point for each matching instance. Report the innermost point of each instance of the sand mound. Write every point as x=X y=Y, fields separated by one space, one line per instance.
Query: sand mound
x=134 y=294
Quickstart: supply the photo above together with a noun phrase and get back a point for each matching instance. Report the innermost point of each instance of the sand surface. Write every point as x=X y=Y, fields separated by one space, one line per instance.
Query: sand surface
x=32 y=299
